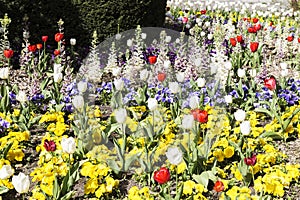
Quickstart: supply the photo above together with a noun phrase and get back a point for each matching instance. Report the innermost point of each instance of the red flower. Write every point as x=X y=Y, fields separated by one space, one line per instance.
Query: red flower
x=203 y=12
x=39 y=46
x=200 y=115
x=161 y=76
x=58 y=37
x=250 y=161
x=270 y=83
x=185 y=20
x=162 y=175
x=290 y=38
x=8 y=53
x=45 y=38
x=49 y=145
x=254 y=46
x=32 y=48
x=257 y=27
x=240 y=39
x=233 y=41
x=298 y=40
x=219 y=186
x=271 y=23
x=255 y=20
x=252 y=30
x=152 y=59
x=56 y=52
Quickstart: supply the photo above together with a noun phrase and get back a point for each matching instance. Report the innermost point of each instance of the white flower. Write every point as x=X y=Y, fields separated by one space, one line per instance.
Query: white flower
x=167 y=64
x=241 y=73
x=194 y=102
x=73 y=41
x=174 y=87
x=78 y=102
x=174 y=155
x=200 y=82
x=116 y=71
x=129 y=42
x=119 y=84
x=283 y=65
x=68 y=145
x=118 y=36
x=4 y=73
x=284 y=72
x=198 y=62
x=240 y=115
x=213 y=68
x=144 y=74
x=228 y=65
x=121 y=115
x=202 y=34
x=187 y=121
x=82 y=86
x=168 y=38
x=144 y=36
x=177 y=40
x=21 y=183
x=21 y=97
x=6 y=171
x=253 y=73
x=57 y=77
x=57 y=68
x=207 y=24
x=228 y=99
x=152 y=104
x=180 y=77
x=210 y=36
x=245 y=127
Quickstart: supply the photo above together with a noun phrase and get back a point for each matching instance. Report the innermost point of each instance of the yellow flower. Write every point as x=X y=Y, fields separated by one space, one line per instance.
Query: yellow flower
x=218 y=153
x=181 y=167
x=16 y=112
x=229 y=152
x=100 y=191
x=110 y=183
x=238 y=175
x=188 y=187
x=233 y=192
x=91 y=186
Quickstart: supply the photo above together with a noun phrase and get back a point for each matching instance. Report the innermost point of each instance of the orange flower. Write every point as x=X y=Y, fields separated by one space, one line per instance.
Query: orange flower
x=219 y=186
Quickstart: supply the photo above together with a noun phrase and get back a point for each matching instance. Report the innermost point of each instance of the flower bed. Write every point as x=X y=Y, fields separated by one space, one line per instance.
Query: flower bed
x=187 y=117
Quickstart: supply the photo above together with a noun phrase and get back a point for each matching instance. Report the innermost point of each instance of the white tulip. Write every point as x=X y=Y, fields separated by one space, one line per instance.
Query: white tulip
x=121 y=115
x=21 y=97
x=116 y=71
x=241 y=73
x=78 y=102
x=73 y=41
x=200 y=82
x=57 y=77
x=228 y=99
x=144 y=74
x=68 y=145
x=284 y=72
x=57 y=68
x=118 y=36
x=202 y=34
x=174 y=155
x=283 y=65
x=213 y=68
x=253 y=73
x=210 y=36
x=82 y=86
x=187 y=121
x=21 y=183
x=198 y=62
x=119 y=84
x=194 y=102
x=143 y=36
x=168 y=38
x=6 y=171
x=167 y=64
x=180 y=76
x=174 y=87
x=129 y=42
x=4 y=73
x=152 y=104
x=240 y=115
x=245 y=127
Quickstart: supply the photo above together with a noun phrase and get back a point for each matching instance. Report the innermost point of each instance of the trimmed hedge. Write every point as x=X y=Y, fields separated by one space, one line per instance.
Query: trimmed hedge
x=81 y=17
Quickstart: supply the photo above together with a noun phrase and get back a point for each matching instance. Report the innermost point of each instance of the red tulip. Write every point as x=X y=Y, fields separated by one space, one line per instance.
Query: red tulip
x=32 y=48
x=254 y=46
x=290 y=38
x=45 y=38
x=270 y=83
x=162 y=175
x=255 y=20
x=240 y=39
x=39 y=46
x=252 y=30
x=49 y=145
x=219 y=186
x=203 y=12
x=161 y=76
x=8 y=53
x=200 y=115
x=185 y=20
x=233 y=41
x=271 y=23
x=250 y=161
x=298 y=40
x=152 y=59
x=56 y=52
x=257 y=27
x=58 y=37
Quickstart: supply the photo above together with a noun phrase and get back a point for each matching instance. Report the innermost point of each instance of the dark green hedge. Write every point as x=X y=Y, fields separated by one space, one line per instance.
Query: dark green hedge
x=81 y=17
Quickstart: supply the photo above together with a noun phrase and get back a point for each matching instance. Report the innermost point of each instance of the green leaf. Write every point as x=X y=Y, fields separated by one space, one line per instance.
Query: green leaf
x=204 y=177
x=3 y=189
x=68 y=196
x=271 y=134
x=263 y=110
x=6 y=149
x=129 y=160
x=114 y=166
x=56 y=189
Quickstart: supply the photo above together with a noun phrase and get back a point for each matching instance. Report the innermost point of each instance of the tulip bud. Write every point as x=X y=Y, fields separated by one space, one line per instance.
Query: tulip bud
x=187 y=121
x=6 y=171
x=194 y=102
x=119 y=84
x=121 y=115
x=78 y=102
x=144 y=74
x=200 y=82
x=241 y=73
x=82 y=86
x=4 y=73
x=245 y=127
x=68 y=145
x=152 y=104
x=21 y=183
x=180 y=77
x=58 y=77
x=21 y=97
x=118 y=36
x=228 y=99
x=174 y=155
x=73 y=41
x=240 y=115
x=174 y=87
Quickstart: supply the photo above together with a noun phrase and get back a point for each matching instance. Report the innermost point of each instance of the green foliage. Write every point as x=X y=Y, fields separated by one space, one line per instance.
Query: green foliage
x=81 y=17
